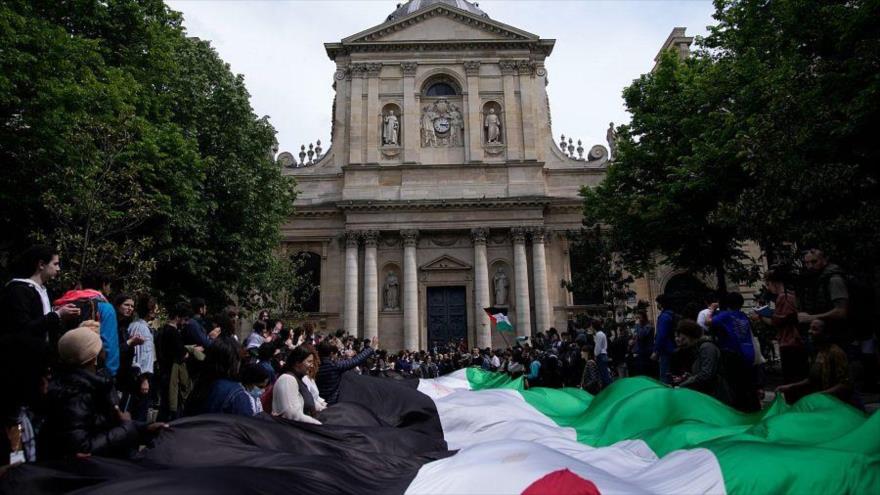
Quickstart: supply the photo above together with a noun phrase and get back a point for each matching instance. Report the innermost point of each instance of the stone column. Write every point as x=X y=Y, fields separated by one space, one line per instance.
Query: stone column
x=481 y=295
x=342 y=83
x=527 y=96
x=539 y=271
x=512 y=130
x=521 y=277
x=410 y=290
x=374 y=117
x=350 y=320
x=356 y=124
x=411 y=114
x=371 y=285
x=474 y=151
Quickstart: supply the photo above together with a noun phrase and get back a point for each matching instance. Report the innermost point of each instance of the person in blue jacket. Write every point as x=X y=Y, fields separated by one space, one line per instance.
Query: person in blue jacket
x=100 y=281
x=664 y=340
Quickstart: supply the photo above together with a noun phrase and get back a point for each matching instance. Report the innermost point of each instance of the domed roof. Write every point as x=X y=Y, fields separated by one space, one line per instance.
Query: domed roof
x=411 y=6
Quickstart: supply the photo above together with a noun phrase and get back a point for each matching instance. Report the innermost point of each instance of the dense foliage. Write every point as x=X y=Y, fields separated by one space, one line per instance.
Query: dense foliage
x=766 y=133
x=134 y=148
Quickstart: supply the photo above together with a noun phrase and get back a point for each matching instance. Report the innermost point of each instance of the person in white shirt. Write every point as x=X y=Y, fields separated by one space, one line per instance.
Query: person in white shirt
x=309 y=379
x=495 y=360
x=704 y=318
x=291 y=398
x=601 y=351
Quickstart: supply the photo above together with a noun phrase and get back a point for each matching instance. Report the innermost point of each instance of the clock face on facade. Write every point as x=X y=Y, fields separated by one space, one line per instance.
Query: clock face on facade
x=441 y=125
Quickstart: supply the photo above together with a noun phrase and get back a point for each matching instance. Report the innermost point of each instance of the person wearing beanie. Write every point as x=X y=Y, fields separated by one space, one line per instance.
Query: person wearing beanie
x=83 y=415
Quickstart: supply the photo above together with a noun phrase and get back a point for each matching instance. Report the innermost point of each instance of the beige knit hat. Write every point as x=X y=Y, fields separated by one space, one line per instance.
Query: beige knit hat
x=79 y=346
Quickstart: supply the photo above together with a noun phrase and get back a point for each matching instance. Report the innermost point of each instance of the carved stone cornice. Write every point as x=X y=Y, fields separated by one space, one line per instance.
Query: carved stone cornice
x=472 y=67
x=441 y=204
x=508 y=67
x=479 y=235
x=371 y=238
x=542 y=47
x=409 y=68
x=518 y=234
x=410 y=237
x=441 y=11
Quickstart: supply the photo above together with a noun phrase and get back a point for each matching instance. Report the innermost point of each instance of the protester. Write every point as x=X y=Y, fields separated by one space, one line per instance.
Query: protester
x=93 y=296
x=826 y=296
x=309 y=379
x=217 y=389
x=291 y=398
x=643 y=346
x=83 y=416
x=732 y=331
x=601 y=351
x=706 y=374
x=591 y=381
x=258 y=337
x=24 y=301
x=664 y=343
x=792 y=351
x=829 y=371
x=144 y=358
x=619 y=350
x=331 y=369
x=704 y=318
x=255 y=380
x=194 y=332
x=24 y=377
x=126 y=375
x=174 y=377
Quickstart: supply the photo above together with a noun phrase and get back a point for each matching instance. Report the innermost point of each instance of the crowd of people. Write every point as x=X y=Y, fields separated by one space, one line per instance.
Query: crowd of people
x=94 y=373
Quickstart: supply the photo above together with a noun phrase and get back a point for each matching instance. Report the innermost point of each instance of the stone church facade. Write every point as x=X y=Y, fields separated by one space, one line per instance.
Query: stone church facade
x=443 y=192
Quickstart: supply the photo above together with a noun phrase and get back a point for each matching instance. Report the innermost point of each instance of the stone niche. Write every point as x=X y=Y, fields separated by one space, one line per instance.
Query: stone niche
x=494 y=134
x=391 y=131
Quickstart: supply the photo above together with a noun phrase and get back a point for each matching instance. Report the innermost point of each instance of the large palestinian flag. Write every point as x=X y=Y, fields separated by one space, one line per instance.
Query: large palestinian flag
x=482 y=433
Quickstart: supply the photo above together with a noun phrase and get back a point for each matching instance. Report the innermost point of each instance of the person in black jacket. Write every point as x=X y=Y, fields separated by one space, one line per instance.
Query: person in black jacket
x=331 y=369
x=83 y=415
x=25 y=305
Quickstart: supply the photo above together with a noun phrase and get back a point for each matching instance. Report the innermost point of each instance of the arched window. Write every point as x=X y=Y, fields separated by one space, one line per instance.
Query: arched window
x=440 y=89
x=309 y=273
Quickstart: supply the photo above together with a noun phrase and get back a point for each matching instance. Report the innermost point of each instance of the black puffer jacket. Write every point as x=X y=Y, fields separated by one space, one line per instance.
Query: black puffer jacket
x=82 y=418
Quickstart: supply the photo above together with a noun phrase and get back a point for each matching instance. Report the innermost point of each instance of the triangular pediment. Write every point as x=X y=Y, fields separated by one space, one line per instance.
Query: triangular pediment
x=440 y=23
x=446 y=263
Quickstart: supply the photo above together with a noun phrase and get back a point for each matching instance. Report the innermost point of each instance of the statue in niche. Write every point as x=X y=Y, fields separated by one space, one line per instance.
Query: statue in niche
x=611 y=137
x=390 y=129
x=442 y=124
x=493 y=127
x=457 y=125
x=501 y=284
x=391 y=292
x=429 y=136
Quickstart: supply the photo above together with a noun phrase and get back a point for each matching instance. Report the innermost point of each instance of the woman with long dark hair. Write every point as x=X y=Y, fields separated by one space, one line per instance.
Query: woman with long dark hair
x=125 y=375
x=291 y=397
x=217 y=389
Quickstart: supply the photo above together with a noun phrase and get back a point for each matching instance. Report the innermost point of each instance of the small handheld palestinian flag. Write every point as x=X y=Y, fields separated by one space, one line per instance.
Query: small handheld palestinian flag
x=499 y=318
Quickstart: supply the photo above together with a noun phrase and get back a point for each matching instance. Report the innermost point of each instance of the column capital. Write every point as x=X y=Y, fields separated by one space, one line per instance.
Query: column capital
x=409 y=68
x=371 y=238
x=508 y=67
x=373 y=69
x=518 y=234
x=472 y=68
x=410 y=237
x=525 y=68
x=479 y=235
x=540 y=235
x=351 y=238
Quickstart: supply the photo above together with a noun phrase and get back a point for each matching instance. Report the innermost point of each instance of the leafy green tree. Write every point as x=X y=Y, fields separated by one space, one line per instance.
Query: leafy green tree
x=671 y=192
x=134 y=148
x=598 y=278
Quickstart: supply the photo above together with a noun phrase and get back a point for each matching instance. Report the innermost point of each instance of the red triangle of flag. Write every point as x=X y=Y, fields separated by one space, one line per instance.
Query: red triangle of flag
x=562 y=482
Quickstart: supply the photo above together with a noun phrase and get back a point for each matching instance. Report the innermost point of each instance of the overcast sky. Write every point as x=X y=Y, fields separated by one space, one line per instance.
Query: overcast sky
x=601 y=46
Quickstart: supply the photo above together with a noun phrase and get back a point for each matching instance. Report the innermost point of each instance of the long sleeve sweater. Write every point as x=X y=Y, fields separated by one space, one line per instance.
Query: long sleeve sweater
x=287 y=401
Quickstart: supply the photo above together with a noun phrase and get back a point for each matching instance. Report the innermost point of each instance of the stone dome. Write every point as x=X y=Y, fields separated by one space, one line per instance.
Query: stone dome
x=412 y=6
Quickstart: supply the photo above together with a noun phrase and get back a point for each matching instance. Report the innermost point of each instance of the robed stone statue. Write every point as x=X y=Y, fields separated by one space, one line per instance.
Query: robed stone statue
x=391 y=292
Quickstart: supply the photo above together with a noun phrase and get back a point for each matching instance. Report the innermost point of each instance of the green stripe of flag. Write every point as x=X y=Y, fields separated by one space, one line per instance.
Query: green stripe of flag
x=818 y=445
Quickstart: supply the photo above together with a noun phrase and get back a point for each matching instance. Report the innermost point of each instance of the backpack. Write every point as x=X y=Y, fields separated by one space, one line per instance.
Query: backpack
x=88 y=310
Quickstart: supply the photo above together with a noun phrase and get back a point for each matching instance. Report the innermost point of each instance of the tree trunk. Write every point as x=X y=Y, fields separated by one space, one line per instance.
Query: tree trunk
x=721 y=278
